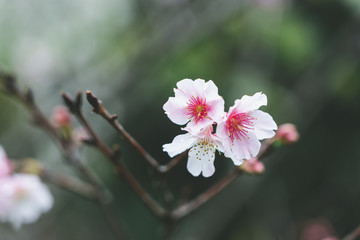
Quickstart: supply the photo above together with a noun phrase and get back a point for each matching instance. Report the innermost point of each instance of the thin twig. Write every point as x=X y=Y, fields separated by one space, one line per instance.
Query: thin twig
x=113 y=156
x=186 y=208
x=26 y=98
x=70 y=184
x=191 y=206
x=112 y=120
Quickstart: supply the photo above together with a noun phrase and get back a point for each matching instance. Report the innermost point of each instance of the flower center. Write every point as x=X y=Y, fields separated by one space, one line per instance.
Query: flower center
x=238 y=125
x=204 y=150
x=197 y=108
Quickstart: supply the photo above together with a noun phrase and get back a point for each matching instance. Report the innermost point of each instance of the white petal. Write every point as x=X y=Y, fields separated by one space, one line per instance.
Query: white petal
x=208 y=167
x=194 y=164
x=175 y=109
x=180 y=144
x=249 y=103
x=264 y=124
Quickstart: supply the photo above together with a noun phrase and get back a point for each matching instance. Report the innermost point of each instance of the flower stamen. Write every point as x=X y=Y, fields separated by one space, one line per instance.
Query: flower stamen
x=197 y=108
x=238 y=125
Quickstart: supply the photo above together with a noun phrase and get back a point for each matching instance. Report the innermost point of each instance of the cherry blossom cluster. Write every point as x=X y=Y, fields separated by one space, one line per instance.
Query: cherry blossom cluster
x=198 y=105
x=23 y=197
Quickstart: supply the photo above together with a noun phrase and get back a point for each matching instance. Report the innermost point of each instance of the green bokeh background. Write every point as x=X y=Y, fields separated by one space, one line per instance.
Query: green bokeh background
x=304 y=54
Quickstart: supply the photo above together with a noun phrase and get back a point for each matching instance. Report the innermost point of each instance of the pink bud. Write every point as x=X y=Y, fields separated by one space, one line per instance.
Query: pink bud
x=253 y=165
x=287 y=133
x=61 y=116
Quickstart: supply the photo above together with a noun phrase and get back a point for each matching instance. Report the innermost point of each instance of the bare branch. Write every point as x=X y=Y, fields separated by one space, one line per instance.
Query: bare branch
x=114 y=156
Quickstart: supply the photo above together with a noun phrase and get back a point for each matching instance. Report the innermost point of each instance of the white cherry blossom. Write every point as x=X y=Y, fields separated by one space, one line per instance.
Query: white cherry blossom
x=202 y=147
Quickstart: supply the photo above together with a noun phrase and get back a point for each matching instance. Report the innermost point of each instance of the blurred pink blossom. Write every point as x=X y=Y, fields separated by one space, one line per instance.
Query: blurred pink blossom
x=287 y=133
x=61 y=116
x=253 y=165
x=23 y=198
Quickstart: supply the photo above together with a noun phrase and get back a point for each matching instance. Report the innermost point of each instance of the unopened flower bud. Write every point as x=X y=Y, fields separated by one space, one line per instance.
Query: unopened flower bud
x=253 y=166
x=287 y=133
x=61 y=116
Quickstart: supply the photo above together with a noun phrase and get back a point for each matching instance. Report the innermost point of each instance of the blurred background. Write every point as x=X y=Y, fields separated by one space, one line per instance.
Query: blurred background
x=304 y=54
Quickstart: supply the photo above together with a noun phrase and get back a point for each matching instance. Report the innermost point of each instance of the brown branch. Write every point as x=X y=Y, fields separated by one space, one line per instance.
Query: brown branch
x=99 y=108
x=112 y=155
x=191 y=206
x=186 y=208
x=69 y=183
x=9 y=85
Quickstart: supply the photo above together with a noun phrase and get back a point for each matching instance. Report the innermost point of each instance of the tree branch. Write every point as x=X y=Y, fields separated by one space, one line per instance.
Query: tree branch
x=112 y=155
x=112 y=120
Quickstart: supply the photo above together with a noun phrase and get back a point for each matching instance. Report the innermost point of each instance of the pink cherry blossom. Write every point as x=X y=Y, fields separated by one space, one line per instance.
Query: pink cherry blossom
x=202 y=147
x=196 y=102
x=243 y=126
x=5 y=165
x=23 y=197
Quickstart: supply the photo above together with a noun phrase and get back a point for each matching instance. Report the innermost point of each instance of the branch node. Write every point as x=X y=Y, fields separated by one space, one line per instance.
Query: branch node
x=94 y=102
x=69 y=102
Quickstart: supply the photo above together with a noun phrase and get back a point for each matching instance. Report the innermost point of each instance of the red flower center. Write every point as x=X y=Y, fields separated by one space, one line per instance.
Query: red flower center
x=238 y=125
x=197 y=108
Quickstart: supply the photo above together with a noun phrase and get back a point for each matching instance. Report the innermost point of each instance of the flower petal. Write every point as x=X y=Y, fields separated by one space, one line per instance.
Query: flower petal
x=244 y=148
x=249 y=103
x=264 y=124
x=208 y=167
x=180 y=144
x=188 y=88
x=216 y=108
x=200 y=125
x=194 y=164
x=175 y=109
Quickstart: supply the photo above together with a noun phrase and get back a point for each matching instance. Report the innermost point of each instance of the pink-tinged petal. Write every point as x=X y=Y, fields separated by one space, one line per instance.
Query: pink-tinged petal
x=244 y=148
x=180 y=144
x=211 y=89
x=200 y=125
x=175 y=109
x=264 y=125
x=188 y=88
x=249 y=103
x=216 y=109
x=199 y=87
